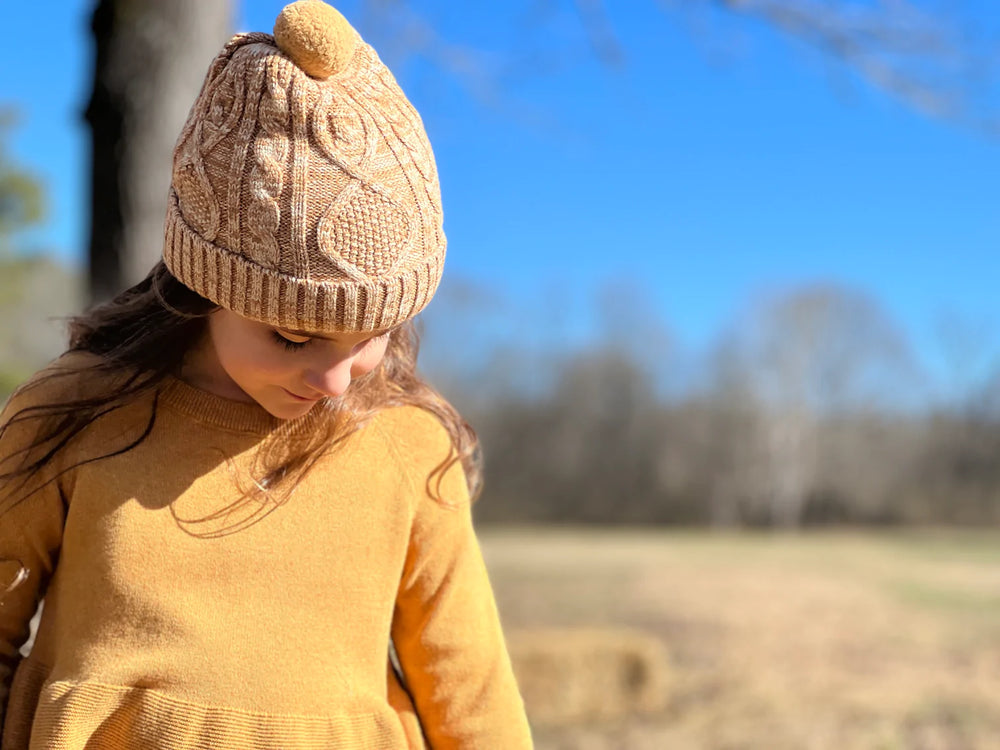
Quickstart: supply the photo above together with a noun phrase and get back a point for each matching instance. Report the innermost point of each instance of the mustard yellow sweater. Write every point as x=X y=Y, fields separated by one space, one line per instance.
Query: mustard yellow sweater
x=176 y=619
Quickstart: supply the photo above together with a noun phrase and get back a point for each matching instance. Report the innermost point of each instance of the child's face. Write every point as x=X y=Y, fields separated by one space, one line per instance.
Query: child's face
x=283 y=371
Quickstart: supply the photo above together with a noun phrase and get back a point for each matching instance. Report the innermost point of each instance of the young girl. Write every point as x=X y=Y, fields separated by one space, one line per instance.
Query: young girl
x=233 y=490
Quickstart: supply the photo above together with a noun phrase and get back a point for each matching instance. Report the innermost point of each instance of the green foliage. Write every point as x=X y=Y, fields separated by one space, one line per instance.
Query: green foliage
x=22 y=196
x=36 y=292
x=34 y=289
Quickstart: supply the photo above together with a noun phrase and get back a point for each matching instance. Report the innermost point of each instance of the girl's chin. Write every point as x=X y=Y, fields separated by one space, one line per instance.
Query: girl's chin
x=287 y=406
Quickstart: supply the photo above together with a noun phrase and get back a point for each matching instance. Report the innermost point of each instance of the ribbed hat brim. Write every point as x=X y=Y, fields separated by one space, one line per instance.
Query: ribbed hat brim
x=268 y=296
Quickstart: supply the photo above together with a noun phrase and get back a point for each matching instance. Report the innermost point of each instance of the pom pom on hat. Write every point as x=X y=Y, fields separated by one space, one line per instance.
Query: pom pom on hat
x=316 y=36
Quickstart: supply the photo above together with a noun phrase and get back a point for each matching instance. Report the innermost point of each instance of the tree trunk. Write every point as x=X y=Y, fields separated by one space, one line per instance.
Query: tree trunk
x=151 y=57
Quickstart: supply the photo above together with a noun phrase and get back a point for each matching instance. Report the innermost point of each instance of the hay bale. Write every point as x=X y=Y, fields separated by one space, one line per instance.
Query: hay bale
x=577 y=675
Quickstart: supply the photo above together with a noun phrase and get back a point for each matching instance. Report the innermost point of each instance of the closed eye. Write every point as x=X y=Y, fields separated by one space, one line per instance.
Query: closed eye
x=288 y=344
x=291 y=345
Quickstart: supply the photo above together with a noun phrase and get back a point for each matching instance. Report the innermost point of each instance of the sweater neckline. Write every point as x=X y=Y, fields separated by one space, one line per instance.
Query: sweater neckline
x=219 y=411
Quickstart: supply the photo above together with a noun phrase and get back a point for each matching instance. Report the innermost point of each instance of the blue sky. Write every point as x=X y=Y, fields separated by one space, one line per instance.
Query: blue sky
x=713 y=166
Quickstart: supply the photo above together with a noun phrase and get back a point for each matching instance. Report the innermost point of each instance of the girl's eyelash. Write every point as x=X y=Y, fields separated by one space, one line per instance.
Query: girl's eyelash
x=293 y=346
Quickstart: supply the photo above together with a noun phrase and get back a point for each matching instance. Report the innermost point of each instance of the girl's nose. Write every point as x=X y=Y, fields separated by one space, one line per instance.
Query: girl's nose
x=331 y=381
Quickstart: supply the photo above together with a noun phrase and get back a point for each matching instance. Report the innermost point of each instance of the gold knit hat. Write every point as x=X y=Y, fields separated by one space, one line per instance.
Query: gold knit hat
x=304 y=191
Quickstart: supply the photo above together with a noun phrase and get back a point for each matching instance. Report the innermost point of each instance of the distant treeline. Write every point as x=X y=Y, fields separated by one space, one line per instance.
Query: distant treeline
x=810 y=410
x=707 y=462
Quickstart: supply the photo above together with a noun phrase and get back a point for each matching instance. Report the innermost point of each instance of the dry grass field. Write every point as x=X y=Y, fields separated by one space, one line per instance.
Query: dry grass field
x=814 y=641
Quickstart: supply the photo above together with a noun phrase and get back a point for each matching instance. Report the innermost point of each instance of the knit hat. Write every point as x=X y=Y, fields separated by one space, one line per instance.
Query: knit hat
x=304 y=191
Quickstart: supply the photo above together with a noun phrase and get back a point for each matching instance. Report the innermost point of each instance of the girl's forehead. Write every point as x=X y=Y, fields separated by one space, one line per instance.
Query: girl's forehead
x=234 y=318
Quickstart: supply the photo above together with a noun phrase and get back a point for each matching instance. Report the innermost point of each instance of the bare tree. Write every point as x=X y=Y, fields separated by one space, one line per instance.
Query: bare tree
x=928 y=56
x=923 y=55
x=811 y=354
x=731 y=456
x=151 y=58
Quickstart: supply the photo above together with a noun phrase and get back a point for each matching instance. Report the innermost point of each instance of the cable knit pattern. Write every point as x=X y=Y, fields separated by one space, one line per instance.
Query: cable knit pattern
x=371 y=231
x=306 y=202
x=267 y=177
x=341 y=134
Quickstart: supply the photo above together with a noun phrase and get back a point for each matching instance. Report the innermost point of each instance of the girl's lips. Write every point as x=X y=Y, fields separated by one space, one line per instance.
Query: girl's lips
x=300 y=398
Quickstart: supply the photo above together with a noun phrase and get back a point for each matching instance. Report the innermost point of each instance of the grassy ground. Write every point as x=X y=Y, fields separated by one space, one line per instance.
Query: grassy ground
x=813 y=641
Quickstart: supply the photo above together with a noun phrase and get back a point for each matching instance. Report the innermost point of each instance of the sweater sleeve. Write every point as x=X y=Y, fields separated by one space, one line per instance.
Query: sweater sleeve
x=446 y=627
x=32 y=513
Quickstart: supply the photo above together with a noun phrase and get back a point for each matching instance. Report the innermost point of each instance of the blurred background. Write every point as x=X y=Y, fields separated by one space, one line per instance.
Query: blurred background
x=720 y=300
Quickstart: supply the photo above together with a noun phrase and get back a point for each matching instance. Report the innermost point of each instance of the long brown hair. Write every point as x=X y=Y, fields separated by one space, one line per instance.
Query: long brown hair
x=141 y=336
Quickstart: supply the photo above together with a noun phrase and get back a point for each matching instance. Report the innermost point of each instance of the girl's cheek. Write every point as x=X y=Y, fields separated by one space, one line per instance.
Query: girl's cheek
x=259 y=360
x=368 y=359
